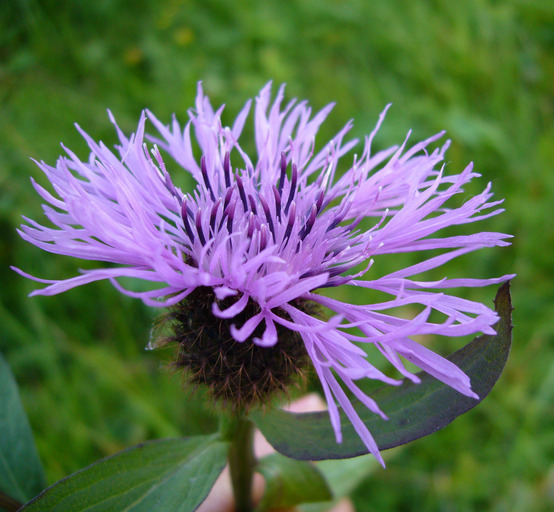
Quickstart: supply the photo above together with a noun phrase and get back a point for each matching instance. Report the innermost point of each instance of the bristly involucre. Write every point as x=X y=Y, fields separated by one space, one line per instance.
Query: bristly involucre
x=271 y=229
x=237 y=375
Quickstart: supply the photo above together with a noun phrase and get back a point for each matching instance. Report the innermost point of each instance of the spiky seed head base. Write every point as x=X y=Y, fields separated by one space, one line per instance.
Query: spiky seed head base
x=238 y=375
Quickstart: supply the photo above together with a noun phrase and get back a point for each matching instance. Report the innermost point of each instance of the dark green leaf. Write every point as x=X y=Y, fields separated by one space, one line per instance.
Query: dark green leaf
x=21 y=472
x=414 y=410
x=173 y=475
x=290 y=482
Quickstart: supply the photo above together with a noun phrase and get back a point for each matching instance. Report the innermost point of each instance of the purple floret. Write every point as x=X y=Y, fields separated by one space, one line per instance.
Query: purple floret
x=273 y=229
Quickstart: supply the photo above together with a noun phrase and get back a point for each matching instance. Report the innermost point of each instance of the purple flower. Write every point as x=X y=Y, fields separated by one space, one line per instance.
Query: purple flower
x=272 y=230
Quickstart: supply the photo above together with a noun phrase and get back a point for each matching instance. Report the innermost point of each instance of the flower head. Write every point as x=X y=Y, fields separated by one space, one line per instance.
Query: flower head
x=258 y=236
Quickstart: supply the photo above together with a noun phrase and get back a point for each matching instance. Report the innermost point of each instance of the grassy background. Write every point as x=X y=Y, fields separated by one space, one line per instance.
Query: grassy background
x=483 y=70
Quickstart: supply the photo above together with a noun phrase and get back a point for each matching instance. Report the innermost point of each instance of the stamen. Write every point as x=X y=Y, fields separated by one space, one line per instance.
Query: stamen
x=292 y=189
x=185 y=212
x=252 y=202
x=199 y=226
x=213 y=215
x=205 y=176
x=340 y=216
x=263 y=237
x=242 y=193
x=267 y=212
x=251 y=224
x=319 y=200
x=335 y=271
x=277 y=198
x=309 y=223
x=290 y=224
x=228 y=196
x=283 y=172
x=230 y=212
x=227 y=169
x=167 y=178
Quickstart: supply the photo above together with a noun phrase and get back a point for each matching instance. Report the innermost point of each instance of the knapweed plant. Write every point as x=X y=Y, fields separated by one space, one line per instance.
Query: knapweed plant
x=246 y=266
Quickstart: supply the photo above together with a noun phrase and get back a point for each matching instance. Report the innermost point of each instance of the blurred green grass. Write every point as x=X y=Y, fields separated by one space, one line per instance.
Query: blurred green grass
x=482 y=70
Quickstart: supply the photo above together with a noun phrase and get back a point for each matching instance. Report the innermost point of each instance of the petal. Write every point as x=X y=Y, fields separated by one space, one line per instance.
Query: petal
x=269 y=338
x=247 y=328
x=233 y=310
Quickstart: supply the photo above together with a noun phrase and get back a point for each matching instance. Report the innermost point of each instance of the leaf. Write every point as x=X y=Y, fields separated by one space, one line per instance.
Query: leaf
x=414 y=410
x=290 y=482
x=173 y=475
x=21 y=472
x=342 y=476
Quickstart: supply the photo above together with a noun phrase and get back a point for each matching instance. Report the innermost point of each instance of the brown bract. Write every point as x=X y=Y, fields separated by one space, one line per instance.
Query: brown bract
x=238 y=375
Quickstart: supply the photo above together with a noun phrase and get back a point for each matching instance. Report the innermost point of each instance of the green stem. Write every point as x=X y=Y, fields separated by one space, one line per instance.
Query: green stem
x=242 y=461
x=8 y=503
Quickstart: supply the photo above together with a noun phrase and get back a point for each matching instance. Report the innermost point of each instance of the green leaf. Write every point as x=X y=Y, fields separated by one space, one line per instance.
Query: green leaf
x=342 y=476
x=21 y=472
x=290 y=482
x=173 y=475
x=414 y=410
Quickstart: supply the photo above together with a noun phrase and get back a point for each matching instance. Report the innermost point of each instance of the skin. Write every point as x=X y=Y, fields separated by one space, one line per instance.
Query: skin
x=221 y=498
